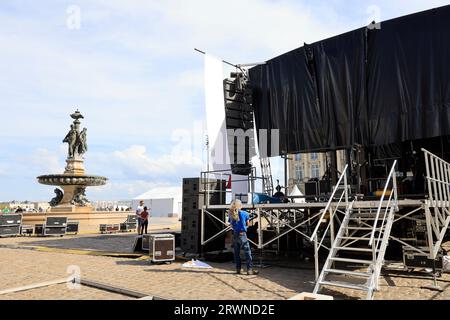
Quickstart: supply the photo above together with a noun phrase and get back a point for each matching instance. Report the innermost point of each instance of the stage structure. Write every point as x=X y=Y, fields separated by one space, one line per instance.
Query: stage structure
x=383 y=95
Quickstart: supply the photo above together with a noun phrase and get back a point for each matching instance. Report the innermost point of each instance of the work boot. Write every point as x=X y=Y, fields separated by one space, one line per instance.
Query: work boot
x=252 y=272
x=238 y=271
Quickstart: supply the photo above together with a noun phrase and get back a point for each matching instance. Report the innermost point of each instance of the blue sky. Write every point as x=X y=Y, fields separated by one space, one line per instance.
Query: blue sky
x=132 y=71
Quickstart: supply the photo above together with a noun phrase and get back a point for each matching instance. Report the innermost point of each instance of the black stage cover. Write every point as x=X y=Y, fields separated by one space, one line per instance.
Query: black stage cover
x=369 y=86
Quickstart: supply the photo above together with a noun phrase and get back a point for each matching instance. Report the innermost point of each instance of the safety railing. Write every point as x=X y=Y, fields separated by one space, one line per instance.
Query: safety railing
x=437 y=207
x=438 y=180
x=208 y=178
x=332 y=212
x=388 y=209
x=342 y=181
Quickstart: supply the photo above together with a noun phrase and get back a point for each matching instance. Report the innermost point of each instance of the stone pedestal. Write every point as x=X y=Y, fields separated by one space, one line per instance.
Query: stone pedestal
x=75 y=166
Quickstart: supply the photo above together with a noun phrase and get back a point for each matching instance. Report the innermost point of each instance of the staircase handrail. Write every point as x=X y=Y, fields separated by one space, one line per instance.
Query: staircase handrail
x=392 y=196
x=342 y=177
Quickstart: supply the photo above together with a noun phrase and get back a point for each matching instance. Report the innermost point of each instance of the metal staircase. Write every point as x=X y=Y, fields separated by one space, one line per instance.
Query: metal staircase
x=357 y=252
x=267 y=176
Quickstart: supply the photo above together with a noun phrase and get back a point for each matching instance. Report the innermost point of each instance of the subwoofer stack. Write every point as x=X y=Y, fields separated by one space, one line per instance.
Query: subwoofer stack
x=194 y=198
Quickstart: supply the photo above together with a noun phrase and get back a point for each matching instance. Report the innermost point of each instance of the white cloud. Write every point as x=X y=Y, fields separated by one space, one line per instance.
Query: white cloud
x=45 y=161
x=121 y=190
x=135 y=160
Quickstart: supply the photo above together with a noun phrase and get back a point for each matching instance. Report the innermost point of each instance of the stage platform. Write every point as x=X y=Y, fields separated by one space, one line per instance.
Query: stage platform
x=319 y=205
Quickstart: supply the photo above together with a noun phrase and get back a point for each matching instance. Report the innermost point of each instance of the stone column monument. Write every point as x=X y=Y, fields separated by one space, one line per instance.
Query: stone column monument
x=73 y=182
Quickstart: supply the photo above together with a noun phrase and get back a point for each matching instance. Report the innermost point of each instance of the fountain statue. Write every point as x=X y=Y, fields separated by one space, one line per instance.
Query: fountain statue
x=73 y=181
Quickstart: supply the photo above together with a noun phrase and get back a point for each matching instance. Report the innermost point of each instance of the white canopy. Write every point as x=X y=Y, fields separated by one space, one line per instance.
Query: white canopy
x=296 y=192
x=162 y=193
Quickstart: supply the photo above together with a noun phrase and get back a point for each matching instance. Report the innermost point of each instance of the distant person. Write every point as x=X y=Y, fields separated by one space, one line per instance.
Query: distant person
x=144 y=220
x=240 y=220
x=19 y=210
x=139 y=210
x=280 y=195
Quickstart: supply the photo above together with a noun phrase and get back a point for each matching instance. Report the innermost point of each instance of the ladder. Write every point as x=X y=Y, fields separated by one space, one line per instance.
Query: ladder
x=357 y=252
x=267 y=176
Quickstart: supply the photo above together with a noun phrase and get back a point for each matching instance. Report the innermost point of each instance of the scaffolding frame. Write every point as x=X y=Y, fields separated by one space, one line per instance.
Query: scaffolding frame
x=285 y=218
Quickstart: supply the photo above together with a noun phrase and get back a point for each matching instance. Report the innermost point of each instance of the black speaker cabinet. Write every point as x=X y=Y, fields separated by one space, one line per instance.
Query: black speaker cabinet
x=191 y=232
x=194 y=186
x=311 y=188
x=324 y=186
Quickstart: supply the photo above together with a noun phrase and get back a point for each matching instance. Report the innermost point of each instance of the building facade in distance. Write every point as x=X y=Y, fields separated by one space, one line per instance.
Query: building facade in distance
x=305 y=166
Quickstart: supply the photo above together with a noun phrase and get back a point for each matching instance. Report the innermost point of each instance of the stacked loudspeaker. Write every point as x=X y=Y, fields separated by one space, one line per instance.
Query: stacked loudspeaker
x=239 y=122
x=10 y=224
x=194 y=198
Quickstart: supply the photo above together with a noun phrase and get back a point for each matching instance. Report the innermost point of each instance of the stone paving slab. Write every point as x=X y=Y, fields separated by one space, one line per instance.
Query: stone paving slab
x=114 y=243
x=20 y=267
x=63 y=292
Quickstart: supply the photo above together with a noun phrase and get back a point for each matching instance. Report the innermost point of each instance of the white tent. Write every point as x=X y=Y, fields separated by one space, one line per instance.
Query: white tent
x=297 y=193
x=163 y=201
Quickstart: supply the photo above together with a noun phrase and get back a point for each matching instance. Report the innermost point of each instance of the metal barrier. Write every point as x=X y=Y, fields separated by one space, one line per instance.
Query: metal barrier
x=209 y=177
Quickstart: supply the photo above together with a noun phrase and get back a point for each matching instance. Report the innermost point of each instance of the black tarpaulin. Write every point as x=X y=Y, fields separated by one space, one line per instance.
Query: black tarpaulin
x=340 y=76
x=409 y=78
x=371 y=87
x=282 y=88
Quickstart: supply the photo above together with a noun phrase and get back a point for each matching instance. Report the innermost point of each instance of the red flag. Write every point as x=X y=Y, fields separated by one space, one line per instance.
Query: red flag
x=229 y=183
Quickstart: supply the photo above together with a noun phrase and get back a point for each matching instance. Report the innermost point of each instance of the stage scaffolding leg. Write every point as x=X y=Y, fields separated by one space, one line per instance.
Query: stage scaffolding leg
x=332 y=230
x=202 y=231
x=316 y=258
x=260 y=239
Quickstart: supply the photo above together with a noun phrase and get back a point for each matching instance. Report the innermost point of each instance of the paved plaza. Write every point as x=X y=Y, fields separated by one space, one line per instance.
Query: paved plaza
x=27 y=261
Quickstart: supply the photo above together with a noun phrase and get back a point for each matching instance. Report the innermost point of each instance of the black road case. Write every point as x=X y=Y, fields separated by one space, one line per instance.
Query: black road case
x=10 y=224
x=73 y=227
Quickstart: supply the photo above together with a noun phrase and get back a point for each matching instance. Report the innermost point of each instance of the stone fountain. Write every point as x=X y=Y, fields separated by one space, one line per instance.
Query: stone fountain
x=71 y=194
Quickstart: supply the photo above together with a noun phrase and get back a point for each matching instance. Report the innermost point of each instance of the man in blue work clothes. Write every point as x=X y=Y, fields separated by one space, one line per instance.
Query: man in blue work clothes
x=240 y=220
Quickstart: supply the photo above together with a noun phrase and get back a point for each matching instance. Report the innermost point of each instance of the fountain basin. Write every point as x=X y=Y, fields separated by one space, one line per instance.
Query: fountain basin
x=72 y=180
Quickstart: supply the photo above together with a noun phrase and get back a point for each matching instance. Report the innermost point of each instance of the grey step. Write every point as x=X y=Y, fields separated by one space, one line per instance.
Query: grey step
x=360 y=228
x=351 y=260
x=355 y=238
x=355 y=249
x=351 y=273
x=344 y=285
